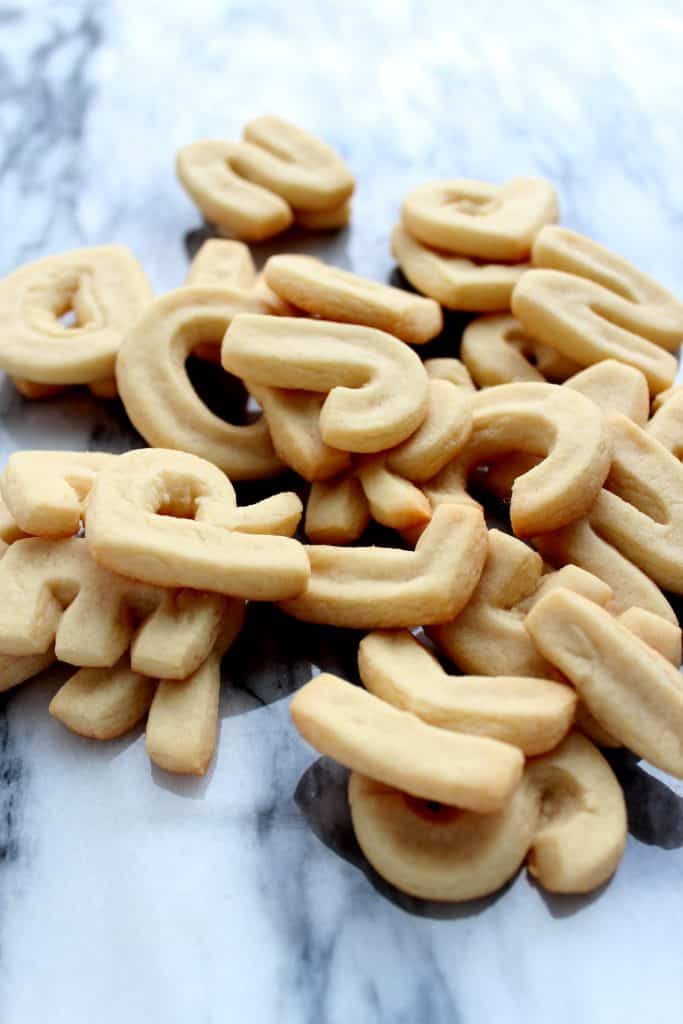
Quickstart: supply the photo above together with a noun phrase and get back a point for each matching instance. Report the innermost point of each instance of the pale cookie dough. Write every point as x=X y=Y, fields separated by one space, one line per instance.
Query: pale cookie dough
x=296 y=165
x=474 y=218
x=375 y=588
x=107 y=289
x=137 y=526
x=182 y=726
x=496 y=350
x=659 y=633
x=366 y=734
x=334 y=512
x=640 y=510
x=567 y=818
x=46 y=492
x=451 y=370
x=559 y=248
x=488 y=636
x=324 y=220
x=103 y=703
x=330 y=293
x=581 y=544
x=377 y=388
x=666 y=425
x=457 y=282
x=293 y=419
x=55 y=593
x=9 y=530
x=589 y=323
x=630 y=689
x=17 y=669
x=206 y=169
x=530 y=713
x=545 y=420
x=159 y=397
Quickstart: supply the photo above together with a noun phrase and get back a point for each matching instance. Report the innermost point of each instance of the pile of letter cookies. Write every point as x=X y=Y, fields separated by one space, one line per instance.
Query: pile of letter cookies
x=135 y=568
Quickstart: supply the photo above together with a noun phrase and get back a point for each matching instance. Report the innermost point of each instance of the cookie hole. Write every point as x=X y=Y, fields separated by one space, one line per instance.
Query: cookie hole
x=432 y=810
x=473 y=206
x=560 y=798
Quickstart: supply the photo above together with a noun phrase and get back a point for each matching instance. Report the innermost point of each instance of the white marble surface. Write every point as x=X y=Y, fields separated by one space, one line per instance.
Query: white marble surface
x=126 y=895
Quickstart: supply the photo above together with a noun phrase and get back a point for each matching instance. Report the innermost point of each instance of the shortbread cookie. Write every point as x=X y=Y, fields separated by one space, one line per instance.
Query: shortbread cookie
x=395 y=747
x=107 y=289
x=659 y=400
x=16 y=669
x=632 y=691
x=666 y=425
x=475 y=218
x=330 y=293
x=488 y=636
x=655 y=631
x=559 y=248
x=496 y=350
x=377 y=388
x=206 y=169
x=294 y=164
x=334 y=513
x=9 y=530
x=451 y=370
x=581 y=544
x=55 y=593
x=246 y=188
x=457 y=282
x=103 y=703
x=159 y=397
x=227 y=263
x=324 y=220
x=589 y=323
x=375 y=588
x=567 y=818
x=46 y=491
x=640 y=511
x=293 y=419
x=136 y=526
x=37 y=392
x=541 y=419
x=612 y=386
x=530 y=713
x=183 y=720
x=615 y=388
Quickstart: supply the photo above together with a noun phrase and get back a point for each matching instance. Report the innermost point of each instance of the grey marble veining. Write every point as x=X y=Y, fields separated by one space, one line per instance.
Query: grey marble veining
x=127 y=894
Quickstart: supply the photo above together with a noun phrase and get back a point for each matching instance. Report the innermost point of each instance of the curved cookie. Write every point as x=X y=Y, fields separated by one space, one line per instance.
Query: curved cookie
x=135 y=527
x=559 y=248
x=475 y=218
x=530 y=713
x=374 y=588
x=566 y=818
x=294 y=164
x=488 y=636
x=46 y=491
x=457 y=282
x=333 y=294
x=159 y=397
x=376 y=386
x=55 y=592
x=540 y=419
x=338 y=510
x=366 y=734
x=630 y=689
x=107 y=289
x=589 y=323
x=496 y=350
x=206 y=169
